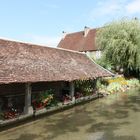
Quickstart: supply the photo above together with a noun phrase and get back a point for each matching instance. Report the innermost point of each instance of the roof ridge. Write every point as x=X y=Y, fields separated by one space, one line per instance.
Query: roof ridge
x=80 y=31
x=23 y=42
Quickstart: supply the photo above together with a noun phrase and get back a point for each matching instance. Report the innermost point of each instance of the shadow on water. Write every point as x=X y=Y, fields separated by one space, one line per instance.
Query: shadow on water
x=101 y=126
x=110 y=136
x=27 y=137
x=108 y=129
x=71 y=122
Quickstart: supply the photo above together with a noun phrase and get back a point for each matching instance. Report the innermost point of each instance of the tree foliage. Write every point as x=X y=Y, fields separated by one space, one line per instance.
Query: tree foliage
x=120 y=43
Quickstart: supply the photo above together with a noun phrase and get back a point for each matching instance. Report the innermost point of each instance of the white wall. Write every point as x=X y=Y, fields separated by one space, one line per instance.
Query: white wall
x=94 y=54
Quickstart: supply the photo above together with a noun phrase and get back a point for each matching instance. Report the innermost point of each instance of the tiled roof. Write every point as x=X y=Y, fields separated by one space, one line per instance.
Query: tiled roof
x=23 y=62
x=78 y=42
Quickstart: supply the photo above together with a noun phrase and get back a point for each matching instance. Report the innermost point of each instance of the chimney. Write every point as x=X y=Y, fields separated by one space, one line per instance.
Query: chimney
x=86 y=30
x=64 y=34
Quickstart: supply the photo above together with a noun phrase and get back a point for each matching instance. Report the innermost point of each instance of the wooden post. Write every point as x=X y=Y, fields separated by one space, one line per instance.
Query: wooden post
x=72 y=90
x=28 y=109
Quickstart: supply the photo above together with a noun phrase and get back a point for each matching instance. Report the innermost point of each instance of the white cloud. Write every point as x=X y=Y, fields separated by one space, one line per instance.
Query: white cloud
x=44 y=40
x=133 y=7
x=106 y=9
x=115 y=9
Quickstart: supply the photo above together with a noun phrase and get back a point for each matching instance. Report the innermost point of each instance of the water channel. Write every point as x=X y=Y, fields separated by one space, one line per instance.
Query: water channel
x=115 y=117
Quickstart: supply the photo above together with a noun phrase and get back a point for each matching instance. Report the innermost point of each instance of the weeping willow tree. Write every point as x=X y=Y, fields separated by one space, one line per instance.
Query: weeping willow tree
x=120 y=43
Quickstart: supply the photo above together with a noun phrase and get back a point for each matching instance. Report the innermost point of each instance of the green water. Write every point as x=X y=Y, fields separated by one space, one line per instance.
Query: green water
x=116 y=117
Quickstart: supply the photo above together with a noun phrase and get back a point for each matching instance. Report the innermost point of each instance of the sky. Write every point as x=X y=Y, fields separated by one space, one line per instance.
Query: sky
x=42 y=21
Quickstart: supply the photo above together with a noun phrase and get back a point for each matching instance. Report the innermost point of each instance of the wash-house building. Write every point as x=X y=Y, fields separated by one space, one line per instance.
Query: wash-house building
x=27 y=70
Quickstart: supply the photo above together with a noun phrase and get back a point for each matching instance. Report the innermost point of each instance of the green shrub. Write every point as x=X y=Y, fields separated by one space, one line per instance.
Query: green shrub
x=114 y=87
x=133 y=82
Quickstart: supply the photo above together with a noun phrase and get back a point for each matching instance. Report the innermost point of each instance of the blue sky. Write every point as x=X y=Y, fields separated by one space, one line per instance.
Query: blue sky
x=42 y=21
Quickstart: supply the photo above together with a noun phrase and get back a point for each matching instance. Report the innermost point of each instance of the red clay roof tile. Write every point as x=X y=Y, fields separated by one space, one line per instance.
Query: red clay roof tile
x=76 y=41
x=23 y=62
